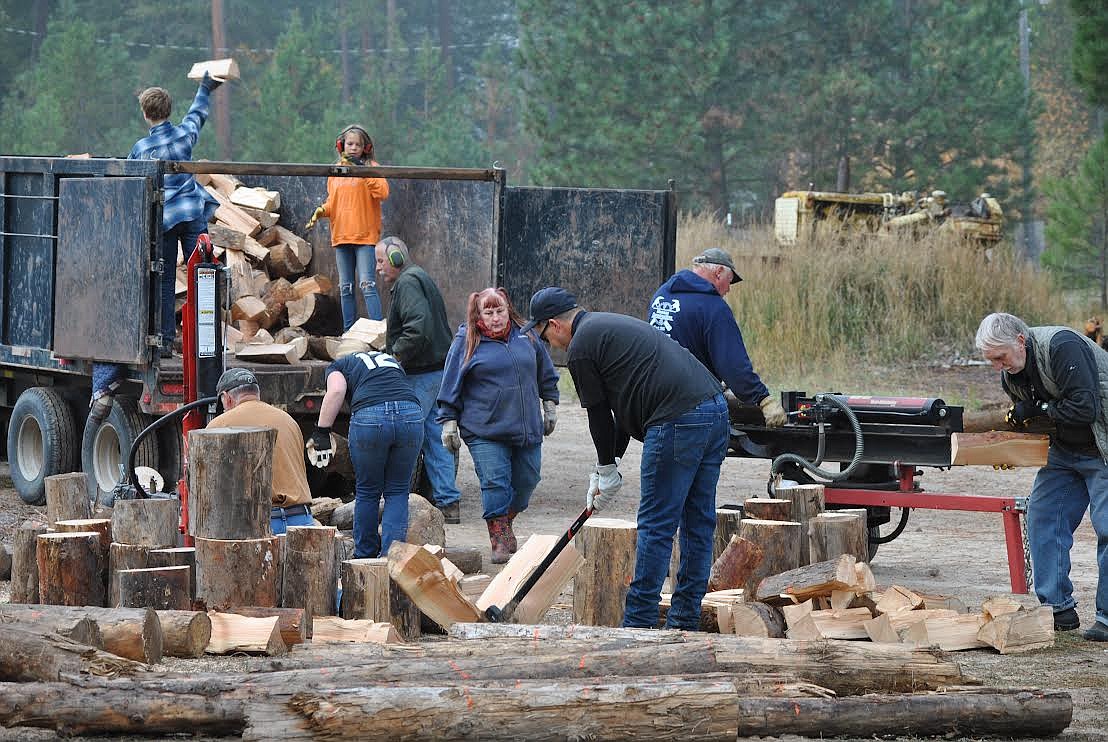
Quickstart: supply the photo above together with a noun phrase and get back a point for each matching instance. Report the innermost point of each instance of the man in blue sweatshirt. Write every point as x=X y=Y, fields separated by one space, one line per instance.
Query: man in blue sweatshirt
x=689 y=307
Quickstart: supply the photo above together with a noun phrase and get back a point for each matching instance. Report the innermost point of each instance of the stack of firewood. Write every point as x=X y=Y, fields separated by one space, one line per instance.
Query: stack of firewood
x=278 y=313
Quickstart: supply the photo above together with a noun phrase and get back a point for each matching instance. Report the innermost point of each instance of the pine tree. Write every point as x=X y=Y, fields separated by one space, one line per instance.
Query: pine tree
x=1077 y=226
x=1090 y=49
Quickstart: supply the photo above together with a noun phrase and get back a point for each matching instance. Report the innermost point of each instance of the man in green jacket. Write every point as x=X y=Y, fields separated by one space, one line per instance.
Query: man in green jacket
x=419 y=337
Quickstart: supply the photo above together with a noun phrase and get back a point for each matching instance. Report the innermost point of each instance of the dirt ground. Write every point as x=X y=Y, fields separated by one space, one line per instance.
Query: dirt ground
x=954 y=553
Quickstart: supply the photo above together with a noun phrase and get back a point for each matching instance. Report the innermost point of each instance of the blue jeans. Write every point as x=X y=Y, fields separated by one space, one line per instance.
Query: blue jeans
x=187 y=233
x=1068 y=485
x=360 y=258
x=680 y=469
x=384 y=444
x=508 y=475
x=279 y=520
x=437 y=461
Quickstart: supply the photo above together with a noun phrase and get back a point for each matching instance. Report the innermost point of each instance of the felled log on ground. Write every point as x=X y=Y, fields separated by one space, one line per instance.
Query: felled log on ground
x=970 y=714
x=25 y=562
x=600 y=587
x=848 y=668
x=420 y=575
x=67 y=497
x=71 y=569
x=134 y=633
x=28 y=655
x=184 y=633
x=78 y=628
x=148 y=522
x=230 y=483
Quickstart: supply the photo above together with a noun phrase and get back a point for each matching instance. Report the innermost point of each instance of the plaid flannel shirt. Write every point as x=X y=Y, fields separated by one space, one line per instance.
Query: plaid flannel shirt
x=185 y=199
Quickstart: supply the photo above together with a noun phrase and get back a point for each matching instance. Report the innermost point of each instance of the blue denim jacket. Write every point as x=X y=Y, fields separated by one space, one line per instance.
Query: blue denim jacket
x=496 y=394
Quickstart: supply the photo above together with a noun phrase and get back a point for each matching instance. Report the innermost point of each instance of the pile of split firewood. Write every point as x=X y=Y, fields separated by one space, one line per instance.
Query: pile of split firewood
x=278 y=314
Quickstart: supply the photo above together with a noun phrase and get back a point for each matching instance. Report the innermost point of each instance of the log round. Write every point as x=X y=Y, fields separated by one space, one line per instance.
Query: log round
x=236 y=573
x=767 y=508
x=180 y=556
x=160 y=588
x=230 y=483
x=600 y=587
x=120 y=557
x=309 y=574
x=365 y=589
x=295 y=624
x=735 y=567
x=149 y=522
x=727 y=525
x=70 y=569
x=25 y=562
x=831 y=535
x=757 y=619
x=67 y=497
x=808 y=502
x=780 y=542
x=184 y=633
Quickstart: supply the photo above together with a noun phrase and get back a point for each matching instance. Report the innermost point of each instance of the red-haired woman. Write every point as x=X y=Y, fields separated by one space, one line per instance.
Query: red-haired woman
x=499 y=394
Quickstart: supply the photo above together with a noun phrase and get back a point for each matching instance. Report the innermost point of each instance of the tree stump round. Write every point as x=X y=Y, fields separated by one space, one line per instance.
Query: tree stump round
x=70 y=569
x=230 y=483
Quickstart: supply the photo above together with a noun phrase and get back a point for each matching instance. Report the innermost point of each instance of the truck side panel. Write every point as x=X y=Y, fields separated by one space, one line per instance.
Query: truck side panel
x=29 y=261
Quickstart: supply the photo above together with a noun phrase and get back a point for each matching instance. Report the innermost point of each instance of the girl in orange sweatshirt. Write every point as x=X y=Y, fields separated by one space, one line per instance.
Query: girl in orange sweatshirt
x=354 y=207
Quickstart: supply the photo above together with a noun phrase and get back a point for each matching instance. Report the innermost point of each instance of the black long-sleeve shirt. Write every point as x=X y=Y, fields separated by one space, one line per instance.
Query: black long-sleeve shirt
x=1077 y=403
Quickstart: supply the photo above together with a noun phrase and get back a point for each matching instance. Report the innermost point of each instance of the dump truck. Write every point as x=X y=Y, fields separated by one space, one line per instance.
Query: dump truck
x=796 y=214
x=80 y=264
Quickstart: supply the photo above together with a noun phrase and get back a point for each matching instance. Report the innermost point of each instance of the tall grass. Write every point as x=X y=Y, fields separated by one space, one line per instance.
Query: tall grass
x=844 y=302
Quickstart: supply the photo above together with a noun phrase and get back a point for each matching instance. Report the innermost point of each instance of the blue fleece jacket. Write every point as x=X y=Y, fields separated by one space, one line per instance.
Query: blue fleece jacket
x=690 y=310
x=495 y=394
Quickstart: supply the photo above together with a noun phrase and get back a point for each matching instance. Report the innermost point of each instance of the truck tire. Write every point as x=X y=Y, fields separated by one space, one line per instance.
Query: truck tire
x=42 y=441
x=104 y=449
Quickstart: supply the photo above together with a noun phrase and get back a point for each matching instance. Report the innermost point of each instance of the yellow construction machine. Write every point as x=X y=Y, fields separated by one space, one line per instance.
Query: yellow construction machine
x=797 y=212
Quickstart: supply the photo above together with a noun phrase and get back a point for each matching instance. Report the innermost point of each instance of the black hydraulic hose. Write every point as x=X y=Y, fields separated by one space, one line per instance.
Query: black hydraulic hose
x=895 y=532
x=859 y=447
x=161 y=421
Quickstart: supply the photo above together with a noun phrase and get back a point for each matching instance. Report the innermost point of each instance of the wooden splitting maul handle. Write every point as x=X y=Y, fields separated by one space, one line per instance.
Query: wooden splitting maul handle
x=505 y=614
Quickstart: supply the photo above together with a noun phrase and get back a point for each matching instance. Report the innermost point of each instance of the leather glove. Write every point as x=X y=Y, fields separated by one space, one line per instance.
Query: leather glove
x=773 y=412
x=1024 y=410
x=319 y=448
x=593 y=499
x=549 y=416
x=315 y=217
x=451 y=439
x=210 y=83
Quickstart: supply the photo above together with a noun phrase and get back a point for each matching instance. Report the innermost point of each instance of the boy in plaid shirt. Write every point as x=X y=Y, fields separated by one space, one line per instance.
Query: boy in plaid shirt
x=188 y=206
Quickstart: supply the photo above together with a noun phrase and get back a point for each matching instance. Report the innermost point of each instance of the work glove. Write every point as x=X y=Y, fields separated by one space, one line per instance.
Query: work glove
x=315 y=217
x=1023 y=411
x=593 y=500
x=451 y=439
x=210 y=83
x=549 y=416
x=773 y=412
x=319 y=448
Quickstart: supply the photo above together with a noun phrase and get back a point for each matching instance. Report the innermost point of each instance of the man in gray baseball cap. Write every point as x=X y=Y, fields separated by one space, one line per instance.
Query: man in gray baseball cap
x=240 y=395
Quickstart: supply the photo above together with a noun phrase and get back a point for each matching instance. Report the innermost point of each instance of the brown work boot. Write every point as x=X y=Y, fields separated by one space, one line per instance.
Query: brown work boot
x=498 y=537
x=512 y=545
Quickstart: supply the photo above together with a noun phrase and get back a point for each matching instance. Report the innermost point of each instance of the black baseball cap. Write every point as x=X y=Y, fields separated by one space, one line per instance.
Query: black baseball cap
x=233 y=378
x=548 y=303
x=716 y=256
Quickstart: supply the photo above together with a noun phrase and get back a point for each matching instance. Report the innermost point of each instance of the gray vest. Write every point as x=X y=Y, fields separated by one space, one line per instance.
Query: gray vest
x=1041 y=345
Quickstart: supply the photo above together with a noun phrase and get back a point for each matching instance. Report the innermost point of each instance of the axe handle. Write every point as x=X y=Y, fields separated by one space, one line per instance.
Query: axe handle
x=505 y=614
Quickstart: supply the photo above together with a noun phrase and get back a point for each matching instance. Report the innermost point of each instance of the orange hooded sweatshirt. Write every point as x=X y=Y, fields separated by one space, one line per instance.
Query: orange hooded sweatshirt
x=354 y=207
